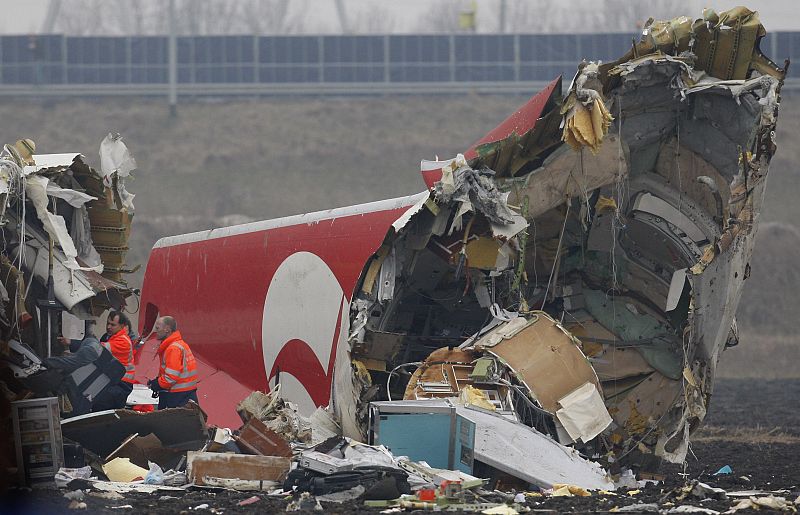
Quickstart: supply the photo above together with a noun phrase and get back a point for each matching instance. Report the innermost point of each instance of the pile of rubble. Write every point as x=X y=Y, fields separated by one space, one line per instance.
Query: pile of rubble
x=276 y=451
x=65 y=228
x=304 y=464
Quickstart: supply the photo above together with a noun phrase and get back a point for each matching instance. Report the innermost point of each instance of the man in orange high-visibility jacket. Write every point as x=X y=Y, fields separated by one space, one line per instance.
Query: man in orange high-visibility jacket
x=176 y=383
x=118 y=342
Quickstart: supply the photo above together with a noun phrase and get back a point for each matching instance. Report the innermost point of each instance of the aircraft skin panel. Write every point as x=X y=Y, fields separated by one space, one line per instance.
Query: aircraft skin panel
x=230 y=279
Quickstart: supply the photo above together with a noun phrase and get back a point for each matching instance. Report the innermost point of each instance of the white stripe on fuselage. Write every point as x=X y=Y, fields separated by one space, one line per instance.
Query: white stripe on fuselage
x=308 y=218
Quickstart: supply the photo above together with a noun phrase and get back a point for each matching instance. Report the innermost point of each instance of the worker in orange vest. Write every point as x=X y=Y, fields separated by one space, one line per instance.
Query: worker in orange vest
x=176 y=383
x=118 y=342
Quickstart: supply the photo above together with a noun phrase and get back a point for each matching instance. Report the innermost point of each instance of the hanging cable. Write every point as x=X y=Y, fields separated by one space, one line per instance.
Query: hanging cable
x=558 y=250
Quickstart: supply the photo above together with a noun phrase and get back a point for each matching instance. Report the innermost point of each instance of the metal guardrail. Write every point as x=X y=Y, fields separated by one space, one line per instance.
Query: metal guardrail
x=287 y=89
x=271 y=89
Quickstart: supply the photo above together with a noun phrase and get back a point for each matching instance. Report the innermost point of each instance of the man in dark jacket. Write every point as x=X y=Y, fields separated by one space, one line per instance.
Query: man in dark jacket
x=82 y=352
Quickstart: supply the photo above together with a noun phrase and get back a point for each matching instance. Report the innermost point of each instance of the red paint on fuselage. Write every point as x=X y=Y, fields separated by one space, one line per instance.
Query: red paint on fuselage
x=215 y=287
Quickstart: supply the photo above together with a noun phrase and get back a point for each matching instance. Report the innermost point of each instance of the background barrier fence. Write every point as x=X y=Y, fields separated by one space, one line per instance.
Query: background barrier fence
x=253 y=65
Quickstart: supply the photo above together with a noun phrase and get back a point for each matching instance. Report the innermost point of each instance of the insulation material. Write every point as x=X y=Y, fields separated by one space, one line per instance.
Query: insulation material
x=483 y=253
x=82 y=238
x=566 y=174
x=587 y=126
x=583 y=413
x=472 y=190
x=116 y=163
x=471 y=396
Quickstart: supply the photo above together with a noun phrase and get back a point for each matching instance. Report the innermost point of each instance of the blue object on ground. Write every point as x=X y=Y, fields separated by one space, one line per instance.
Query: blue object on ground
x=724 y=470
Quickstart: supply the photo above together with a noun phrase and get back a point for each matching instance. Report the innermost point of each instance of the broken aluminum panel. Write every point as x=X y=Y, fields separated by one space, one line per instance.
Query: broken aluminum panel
x=523 y=452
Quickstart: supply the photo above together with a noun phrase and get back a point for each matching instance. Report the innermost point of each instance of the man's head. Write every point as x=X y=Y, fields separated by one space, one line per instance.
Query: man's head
x=116 y=321
x=164 y=327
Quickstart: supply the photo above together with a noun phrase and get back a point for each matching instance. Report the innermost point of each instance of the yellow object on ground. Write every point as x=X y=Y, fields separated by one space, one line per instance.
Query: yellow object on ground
x=565 y=490
x=122 y=470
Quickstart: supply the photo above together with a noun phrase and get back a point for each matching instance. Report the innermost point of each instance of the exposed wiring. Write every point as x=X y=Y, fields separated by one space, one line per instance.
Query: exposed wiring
x=395 y=369
x=522 y=394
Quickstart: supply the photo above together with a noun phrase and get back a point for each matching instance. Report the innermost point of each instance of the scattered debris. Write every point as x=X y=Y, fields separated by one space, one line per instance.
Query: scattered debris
x=540 y=304
x=201 y=466
x=141 y=450
x=305 y=502
x=250 y=500
x=65 y=476
x=123 y=471
x=687 y=508
x=723 y=471
x=637 y=508
x=114 y=496
x=697 y=490
x=561 y=490
x=75 y=495
x=770 y=502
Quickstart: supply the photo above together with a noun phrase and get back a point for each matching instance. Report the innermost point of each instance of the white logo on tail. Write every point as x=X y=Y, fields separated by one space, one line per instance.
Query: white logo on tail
x=304 y=312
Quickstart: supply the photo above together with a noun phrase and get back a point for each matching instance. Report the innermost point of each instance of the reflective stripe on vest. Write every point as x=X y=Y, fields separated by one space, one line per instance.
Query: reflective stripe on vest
x=130 y=368
x=186 y=378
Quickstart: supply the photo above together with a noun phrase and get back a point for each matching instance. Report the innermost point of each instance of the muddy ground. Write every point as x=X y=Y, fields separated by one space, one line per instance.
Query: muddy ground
x=753 y=426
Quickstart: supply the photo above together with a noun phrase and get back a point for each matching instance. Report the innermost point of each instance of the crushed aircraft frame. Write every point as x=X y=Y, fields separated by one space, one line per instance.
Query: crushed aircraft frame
x=579 y=269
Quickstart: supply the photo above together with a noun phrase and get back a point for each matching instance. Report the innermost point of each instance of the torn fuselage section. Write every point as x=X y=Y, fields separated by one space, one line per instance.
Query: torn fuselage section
x=580 y=273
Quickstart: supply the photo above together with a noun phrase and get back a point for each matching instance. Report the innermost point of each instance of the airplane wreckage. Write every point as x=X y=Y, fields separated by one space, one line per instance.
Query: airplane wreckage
x=594 y=254
x=575 y=272
x=572 y=277
x=65 y=229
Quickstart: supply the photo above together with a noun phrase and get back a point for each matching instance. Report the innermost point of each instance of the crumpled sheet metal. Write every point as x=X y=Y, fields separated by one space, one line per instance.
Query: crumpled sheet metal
x=525 y=453
x=472 y=190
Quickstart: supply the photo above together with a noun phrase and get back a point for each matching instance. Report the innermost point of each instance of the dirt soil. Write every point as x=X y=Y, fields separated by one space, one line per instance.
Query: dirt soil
x=753 y=426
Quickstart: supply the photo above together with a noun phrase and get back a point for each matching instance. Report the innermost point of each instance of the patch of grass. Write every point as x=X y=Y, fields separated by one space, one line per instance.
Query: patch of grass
x=748 y=435
x=762 y=355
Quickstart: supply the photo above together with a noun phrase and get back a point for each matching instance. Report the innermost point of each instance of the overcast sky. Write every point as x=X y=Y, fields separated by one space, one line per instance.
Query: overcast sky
x=27 y=16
